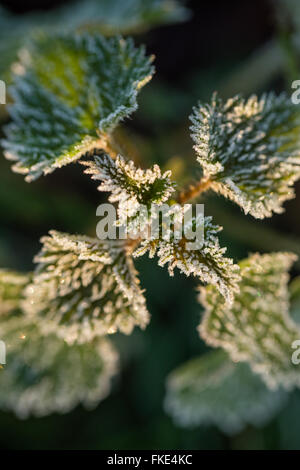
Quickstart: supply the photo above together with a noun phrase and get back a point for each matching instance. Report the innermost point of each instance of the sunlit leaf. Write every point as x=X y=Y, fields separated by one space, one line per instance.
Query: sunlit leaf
x=130 y=187
x=206 y=260
x=109 y=17
x=257 y=328
x=84 y=287
x=71 y=93
x=212 y=389
x=43 y=374
x=12 y=285
x=249 y=150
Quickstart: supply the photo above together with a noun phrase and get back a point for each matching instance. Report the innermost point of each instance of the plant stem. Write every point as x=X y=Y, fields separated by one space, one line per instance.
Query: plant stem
x=194 y=190
x=108 y=145
x=131 y=245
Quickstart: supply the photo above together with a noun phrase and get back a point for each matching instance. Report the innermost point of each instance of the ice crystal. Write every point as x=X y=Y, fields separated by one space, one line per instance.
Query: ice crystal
x=131 y=187
x=43 y=374
x=84 y=287
x=207 y=261
x=12 y=285
x=211 y=389
x=257 y=328
x=71 y=93
x=249 y=150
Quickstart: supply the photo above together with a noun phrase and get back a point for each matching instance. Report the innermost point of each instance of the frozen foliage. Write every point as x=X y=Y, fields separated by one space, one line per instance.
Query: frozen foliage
x=130 y=186
x=257 y=328
x=84 y=287
x=108 y=17
x=207 y=261
x=249 y=150
x=44 y=374
x=294 y=291
x=71 y=93
x=12 y=285
x=212 y=389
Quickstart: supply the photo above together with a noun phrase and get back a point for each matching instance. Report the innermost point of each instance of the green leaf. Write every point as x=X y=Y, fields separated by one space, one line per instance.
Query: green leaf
x=108 y=17
x=249 y=150
x=84 y=287
x=72 y=92
x=133 y=188
x=257 y=328
x=130 y=187
x=206 y=261
x=43 y=374
x=211 y=389
x=294 y=291
x=12 y=285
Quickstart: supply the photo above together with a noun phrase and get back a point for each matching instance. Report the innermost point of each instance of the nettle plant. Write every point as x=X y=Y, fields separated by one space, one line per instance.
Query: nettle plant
x=70 y=92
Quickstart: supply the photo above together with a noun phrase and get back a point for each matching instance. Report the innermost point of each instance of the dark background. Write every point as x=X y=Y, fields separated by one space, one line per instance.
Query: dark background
x=192 y=60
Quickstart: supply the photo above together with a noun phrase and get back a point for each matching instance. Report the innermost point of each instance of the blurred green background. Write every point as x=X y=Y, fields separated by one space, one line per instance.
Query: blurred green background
x=231 y=47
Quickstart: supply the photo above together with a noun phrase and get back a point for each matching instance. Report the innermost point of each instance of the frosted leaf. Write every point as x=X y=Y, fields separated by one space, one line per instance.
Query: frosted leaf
x=207 y=262
x=257 y=328
x=211 y=389
x=249 y=150
x=130 y=186
x=108 y=17
x=84 y=287
x=43 y=374
x=294 y=291
x=71 y=94
x=12 y=285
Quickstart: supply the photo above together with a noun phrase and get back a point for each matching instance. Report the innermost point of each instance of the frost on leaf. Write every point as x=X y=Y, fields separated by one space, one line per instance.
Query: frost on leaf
x=84 y=287
x=12 y=285
x=207 y=261
x=44 y=374
x=249 y=150
x=294 y=291
x=71 y=93
x=108 y=17
x=211 y=389
x=131 y=187
x=257 y=328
